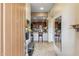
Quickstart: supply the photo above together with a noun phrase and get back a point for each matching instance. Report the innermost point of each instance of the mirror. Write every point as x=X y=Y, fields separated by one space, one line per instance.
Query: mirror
x=58 y=32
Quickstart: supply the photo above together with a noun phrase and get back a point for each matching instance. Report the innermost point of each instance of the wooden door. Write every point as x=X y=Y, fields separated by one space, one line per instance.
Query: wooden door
x=14 y=40
x=1 y=29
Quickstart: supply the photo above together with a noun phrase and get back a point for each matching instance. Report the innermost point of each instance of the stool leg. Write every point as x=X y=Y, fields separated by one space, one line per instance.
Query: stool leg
x=38 y=38
x=42 y=38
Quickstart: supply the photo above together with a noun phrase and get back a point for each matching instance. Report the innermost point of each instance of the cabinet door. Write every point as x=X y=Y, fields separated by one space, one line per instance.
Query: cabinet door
x=14 y=25
x=8 y=35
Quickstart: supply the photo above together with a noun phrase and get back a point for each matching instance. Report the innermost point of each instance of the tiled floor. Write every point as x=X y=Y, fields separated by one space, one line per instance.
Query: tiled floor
x=58 y=44
x=43 y=49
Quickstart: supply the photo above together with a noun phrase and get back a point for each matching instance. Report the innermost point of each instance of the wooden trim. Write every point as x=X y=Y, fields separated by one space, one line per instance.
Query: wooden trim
x=1 y=29
x=39 y=14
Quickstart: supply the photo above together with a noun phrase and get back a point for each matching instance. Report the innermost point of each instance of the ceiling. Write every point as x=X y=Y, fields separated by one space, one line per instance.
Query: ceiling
x=36 y=7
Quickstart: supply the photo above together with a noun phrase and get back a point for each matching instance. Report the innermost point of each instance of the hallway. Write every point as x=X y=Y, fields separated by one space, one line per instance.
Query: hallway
x=30 y=28
x=43 y=49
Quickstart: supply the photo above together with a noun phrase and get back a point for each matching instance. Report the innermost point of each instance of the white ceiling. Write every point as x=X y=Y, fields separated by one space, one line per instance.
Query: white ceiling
x=36 y=7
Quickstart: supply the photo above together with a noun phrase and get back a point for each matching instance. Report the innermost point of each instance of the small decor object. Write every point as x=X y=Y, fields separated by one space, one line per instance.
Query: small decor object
x=76 y=27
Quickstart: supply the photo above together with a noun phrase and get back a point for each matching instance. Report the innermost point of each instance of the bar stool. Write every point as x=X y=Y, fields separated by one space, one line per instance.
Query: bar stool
x=40 y=34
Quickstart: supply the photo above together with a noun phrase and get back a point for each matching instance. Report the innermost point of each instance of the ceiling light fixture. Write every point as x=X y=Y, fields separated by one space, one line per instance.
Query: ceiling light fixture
x=41 y=8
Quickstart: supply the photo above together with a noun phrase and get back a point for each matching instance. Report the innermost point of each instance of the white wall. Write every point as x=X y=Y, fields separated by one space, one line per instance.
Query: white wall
x=52 y=14
x=71 y=15
x=77 y=33
x=77 y=44
x=50 y=30
x=68 y=33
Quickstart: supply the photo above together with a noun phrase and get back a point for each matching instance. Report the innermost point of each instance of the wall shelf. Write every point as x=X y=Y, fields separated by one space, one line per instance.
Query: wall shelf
x=76 y=27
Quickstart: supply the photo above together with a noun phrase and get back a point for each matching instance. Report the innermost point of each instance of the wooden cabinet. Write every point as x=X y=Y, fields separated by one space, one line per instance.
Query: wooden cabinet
x=15 y=14
x=1 y=29
x=12 y=25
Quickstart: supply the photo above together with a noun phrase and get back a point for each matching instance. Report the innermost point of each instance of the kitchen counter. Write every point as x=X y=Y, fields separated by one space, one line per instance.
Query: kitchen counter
x=45 y=36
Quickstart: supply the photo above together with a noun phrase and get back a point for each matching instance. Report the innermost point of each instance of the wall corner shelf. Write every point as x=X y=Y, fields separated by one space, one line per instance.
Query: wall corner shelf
x=76 y=27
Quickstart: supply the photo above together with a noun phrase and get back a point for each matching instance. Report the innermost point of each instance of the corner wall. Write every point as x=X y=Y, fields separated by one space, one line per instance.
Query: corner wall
x=68 y=33
x=50 y=30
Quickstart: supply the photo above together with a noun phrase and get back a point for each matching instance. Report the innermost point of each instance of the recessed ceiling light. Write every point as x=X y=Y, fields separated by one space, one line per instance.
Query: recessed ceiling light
x=41 y=8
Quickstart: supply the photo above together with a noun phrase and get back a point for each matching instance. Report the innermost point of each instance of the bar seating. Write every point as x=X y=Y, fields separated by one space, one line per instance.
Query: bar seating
x=40 y=34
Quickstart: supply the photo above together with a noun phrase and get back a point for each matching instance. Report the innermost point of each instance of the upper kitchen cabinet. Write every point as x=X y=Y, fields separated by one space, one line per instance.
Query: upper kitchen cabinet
x=28 y=11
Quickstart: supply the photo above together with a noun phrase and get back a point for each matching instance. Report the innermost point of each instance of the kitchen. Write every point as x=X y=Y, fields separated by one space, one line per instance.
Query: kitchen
x=39 y=28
